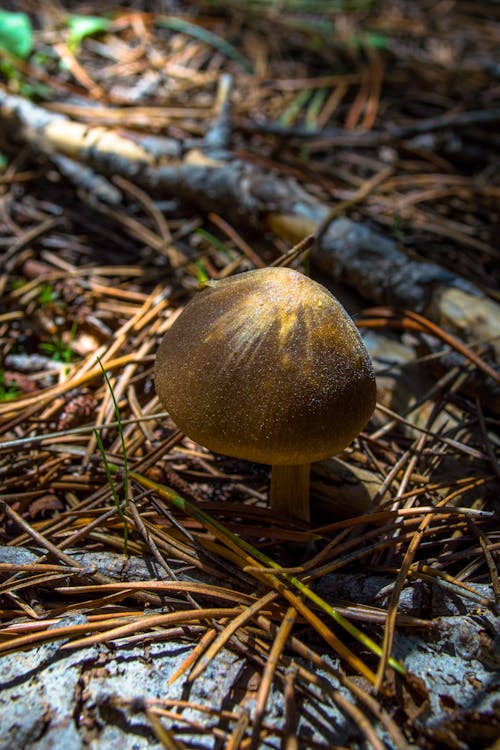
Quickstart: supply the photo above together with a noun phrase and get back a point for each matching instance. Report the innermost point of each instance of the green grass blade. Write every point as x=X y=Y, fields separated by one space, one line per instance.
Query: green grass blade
x=110 y=469
x=225 y=534
x=126 y=473
x=204 y=35
x=126 y=476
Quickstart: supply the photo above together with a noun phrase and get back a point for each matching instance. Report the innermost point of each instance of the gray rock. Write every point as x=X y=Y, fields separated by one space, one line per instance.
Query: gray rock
x=55 y=698
x=459 y=663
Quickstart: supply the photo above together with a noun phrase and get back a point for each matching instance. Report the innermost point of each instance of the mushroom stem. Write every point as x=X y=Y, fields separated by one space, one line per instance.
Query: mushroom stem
x=290 y=490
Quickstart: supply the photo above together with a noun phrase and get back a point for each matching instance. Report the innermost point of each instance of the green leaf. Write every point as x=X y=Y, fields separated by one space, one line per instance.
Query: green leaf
x=83 y=26
x=8 y=392
x=376 y=40
x=16 y=34
x=46 y=294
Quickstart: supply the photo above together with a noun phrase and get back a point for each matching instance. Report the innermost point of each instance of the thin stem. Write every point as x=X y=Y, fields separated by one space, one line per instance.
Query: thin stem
x=290 y=490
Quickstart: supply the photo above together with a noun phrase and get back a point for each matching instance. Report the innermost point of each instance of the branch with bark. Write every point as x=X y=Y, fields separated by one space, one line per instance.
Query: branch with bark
x=203 y=173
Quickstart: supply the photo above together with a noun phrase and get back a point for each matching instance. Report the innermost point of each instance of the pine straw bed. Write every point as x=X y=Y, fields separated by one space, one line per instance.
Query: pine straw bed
x=95 y=479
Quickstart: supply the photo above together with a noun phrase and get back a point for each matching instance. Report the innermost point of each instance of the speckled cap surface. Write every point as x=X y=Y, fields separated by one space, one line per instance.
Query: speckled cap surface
x=266 y=366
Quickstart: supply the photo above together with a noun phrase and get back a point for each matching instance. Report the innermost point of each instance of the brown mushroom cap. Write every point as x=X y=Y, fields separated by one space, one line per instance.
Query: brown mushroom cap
x=266 y=366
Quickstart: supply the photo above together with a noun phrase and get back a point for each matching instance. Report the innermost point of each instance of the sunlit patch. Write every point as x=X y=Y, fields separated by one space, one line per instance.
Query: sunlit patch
x=284 y=316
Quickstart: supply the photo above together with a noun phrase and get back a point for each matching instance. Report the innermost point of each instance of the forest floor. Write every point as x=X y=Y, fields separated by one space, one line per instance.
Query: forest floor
x=149 y=597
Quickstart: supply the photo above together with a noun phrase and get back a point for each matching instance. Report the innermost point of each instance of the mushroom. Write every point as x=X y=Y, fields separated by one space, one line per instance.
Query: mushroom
x=267 y=366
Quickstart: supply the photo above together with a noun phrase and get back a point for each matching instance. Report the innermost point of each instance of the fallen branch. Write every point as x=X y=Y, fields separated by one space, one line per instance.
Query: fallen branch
x=199 y=174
